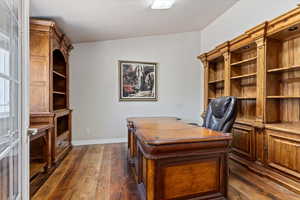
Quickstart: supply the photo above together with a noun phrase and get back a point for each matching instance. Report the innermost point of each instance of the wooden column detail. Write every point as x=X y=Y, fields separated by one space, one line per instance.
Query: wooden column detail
x=261 y=80
x=227 y=75
x=204 y=61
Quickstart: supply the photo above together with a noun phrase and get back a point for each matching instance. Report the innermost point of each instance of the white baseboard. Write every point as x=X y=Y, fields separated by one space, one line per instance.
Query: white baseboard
x=98 y=141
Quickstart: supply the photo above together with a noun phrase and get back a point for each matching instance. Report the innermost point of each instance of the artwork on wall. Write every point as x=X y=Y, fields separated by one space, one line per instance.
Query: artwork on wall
x=138 y=81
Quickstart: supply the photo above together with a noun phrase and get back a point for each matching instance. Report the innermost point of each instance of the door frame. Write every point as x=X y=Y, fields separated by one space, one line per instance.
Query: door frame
x=25 y=97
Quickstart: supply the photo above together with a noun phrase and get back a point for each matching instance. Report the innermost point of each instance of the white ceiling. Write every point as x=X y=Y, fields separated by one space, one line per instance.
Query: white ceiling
x=96 y=20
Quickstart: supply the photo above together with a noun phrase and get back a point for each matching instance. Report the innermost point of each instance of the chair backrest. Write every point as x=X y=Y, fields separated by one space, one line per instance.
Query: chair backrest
x=221 y=114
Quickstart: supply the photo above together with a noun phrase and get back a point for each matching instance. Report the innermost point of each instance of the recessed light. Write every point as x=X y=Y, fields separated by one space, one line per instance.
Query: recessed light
x=293 y=28
x=162 y=4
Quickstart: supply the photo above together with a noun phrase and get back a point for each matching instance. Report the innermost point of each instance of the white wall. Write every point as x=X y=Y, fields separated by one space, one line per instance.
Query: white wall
x=98 y=114
x=242 y=16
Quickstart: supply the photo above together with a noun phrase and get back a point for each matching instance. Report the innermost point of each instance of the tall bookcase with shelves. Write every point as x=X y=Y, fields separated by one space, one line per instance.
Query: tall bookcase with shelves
x=283 y=79
x=243 y=71
x=49 y=53
x=262 y=70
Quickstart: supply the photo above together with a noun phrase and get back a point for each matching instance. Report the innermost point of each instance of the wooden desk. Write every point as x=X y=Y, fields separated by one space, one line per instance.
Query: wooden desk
x=174 y=160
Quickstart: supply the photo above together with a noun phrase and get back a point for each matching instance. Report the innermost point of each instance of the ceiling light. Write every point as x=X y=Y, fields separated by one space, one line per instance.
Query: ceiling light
x=162 y=4
x=293 y=28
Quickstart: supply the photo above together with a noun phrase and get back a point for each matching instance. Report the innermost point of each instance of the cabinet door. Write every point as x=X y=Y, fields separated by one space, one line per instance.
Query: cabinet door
x=243 y=141
x=284 y=152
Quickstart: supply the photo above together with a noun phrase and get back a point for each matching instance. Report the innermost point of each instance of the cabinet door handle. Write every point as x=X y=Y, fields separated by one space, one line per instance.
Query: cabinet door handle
x=32 y=131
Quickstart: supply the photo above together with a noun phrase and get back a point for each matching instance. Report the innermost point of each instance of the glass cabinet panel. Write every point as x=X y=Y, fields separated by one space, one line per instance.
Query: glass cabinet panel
x=9 y=100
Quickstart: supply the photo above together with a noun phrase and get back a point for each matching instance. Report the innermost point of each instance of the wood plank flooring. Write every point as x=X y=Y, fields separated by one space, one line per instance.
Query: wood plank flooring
x=100 y=172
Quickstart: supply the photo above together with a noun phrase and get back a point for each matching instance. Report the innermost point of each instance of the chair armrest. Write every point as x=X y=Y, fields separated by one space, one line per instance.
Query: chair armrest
x=194 y=124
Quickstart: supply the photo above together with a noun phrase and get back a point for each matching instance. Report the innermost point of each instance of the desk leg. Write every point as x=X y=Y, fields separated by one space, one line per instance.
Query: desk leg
x=150 y=180
x=47 y=150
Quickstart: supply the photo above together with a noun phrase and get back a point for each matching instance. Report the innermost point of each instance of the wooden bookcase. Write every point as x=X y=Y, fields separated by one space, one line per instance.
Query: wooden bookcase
x=261 y=68
x=50 y=82
x=49 y=85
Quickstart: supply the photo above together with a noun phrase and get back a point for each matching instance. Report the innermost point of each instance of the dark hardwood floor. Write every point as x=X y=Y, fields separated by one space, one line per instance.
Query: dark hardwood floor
x=100 y=172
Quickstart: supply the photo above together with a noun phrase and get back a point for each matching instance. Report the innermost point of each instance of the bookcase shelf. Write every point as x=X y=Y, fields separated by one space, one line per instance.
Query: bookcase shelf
x=284 y=69
x=246 y=98
x=283 y=97
x=244 y=76
x=293 y=127
x=243 y=87
x=239 y=63
x=216 y=81
x=36 y=167
x=61 y=93
x=59 y=74
x=247 y=121
x=216 y=90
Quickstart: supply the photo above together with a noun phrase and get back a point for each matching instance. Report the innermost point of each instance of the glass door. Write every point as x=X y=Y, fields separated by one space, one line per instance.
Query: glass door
x=10 y=138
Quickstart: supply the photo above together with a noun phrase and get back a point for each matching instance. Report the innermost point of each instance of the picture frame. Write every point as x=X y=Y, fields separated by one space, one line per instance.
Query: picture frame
x=137 y=81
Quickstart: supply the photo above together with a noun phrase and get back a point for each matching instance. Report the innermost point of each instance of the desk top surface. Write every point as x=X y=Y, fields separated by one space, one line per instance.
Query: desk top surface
x=170 y=130
x=41 y=126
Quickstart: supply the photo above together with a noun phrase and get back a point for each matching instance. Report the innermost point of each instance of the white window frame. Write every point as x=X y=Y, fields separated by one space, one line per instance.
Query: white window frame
x=5 y=54
x=25 y=106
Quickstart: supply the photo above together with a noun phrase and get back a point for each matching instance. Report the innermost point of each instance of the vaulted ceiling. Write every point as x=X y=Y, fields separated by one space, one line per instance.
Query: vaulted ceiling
x=98 y=20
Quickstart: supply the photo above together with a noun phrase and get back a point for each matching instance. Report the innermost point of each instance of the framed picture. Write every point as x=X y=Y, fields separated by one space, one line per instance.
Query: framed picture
x=138 y=81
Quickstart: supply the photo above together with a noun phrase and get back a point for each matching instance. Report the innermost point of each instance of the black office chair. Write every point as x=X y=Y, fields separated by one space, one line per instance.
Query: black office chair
x=221 y=114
